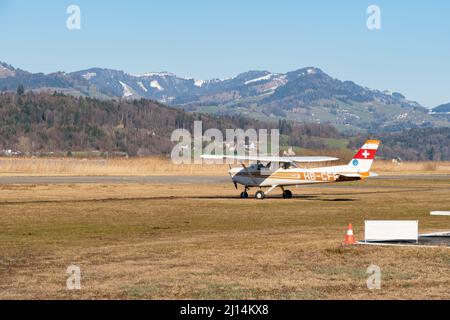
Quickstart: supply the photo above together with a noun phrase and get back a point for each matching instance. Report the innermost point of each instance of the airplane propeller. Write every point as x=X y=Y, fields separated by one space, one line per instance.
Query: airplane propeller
x=249 y=173
x=235 y=184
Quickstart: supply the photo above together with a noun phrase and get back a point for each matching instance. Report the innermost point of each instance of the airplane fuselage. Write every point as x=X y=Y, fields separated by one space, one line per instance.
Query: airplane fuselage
x=252 y=177
x=264 y=174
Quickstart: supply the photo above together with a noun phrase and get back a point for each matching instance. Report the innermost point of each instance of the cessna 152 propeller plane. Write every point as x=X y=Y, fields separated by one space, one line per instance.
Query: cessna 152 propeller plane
x=290 y=174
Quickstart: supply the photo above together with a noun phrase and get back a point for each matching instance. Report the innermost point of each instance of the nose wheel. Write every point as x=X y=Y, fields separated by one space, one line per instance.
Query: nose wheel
x=244 y=195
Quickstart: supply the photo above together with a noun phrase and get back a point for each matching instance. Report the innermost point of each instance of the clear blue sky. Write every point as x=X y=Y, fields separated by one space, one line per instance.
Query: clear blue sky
x=220 y=38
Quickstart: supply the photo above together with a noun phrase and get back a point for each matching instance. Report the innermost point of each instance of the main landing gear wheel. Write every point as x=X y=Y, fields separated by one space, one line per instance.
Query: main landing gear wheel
x=244 y=195
x=287 y=194
x=260 y=195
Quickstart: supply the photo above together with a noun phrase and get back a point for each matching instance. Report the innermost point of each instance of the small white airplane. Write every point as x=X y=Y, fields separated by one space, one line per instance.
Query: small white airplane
x=261 y=175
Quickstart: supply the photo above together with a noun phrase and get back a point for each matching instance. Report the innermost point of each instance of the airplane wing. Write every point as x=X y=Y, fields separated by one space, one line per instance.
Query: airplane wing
x=271 y=159
x=312 y=159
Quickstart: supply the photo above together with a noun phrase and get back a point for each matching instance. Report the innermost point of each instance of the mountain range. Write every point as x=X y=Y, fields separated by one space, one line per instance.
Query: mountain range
x=442 y=109
x=304 y=95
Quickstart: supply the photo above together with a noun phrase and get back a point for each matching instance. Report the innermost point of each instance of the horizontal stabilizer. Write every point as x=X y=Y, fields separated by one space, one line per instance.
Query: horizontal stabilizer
x=349 y=177
x=356 y=176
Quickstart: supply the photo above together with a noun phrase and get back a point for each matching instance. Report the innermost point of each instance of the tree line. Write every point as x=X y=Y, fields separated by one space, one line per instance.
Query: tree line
x=33 y=122
x=425 y=144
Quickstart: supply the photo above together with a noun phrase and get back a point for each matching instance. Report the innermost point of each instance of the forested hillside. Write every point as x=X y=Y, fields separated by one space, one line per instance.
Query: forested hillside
x=431 y=144
x=41 y=122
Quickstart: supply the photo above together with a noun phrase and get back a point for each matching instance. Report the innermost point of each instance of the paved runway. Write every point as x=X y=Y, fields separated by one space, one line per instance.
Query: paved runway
x=112 y=179
x=6 y=180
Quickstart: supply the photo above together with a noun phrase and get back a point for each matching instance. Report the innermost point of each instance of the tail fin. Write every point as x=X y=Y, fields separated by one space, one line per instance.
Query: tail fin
x=363 y=160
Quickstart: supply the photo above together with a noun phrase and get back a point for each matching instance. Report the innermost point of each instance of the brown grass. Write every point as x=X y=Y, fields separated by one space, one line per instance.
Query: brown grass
x=95 y=167
x=163 y=166
x=137 y=241
x=410 y=167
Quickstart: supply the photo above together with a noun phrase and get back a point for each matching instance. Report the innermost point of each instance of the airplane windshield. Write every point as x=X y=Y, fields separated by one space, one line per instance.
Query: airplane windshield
x=260 y=166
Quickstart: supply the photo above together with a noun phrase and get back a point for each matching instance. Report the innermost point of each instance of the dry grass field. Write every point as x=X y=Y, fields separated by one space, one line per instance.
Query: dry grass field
x=139 y=241
x=163 y=166
x=102 y=167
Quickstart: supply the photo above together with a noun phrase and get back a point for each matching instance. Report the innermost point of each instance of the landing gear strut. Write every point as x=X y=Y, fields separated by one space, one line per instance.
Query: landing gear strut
x=244 y=194
x=260 y=195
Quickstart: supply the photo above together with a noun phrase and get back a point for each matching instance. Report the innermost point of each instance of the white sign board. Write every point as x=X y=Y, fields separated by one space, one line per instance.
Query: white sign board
x=440 y=213
x=384 y=230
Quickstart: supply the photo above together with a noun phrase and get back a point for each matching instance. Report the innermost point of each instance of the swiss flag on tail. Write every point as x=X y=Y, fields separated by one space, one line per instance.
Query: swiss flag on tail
x=365 y=154
x=363 y=160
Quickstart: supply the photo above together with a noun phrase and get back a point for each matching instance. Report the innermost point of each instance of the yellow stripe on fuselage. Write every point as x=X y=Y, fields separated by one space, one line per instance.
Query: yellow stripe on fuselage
x=309 y=176
x=304 y=175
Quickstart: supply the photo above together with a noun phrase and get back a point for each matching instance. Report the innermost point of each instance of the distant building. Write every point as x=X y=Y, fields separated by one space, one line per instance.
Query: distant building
x=289 y=152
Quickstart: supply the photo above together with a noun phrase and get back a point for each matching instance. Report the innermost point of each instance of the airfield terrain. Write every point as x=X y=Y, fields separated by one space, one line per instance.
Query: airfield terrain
x=193 y=238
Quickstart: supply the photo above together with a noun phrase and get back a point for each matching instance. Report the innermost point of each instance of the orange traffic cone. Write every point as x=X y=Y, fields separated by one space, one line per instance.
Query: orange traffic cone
x=349 y=238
